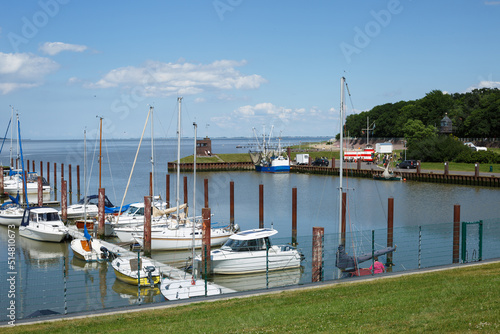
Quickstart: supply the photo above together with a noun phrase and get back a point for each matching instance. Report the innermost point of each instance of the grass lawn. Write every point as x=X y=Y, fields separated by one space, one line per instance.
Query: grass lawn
x=465 y=299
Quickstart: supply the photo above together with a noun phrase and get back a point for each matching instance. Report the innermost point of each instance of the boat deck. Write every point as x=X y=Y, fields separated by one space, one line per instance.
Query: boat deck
x=165 y=269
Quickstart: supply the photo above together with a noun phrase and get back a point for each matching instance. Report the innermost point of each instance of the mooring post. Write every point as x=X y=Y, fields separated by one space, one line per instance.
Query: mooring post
x=333 y=162
x=344 y=211
x=390 y=231
x=446 y=168
x=185 y=193
x=33 y=162
x=317 y=254
x=55 y=181
x=358 y=164
x=41 y=169
x=261 y=205
x=231 y=204
x=206 y=227
x=62 y=172
x=78 y=183
x=64 y=202
x=294 y=216
x=205 y=191
x=28 y=164
x=167 y=190
x=476 y=173
x=1 y=181
x=70 y=185
x=40 y=191
x=100 y=210
x=48 y=172
x=456 y=233
x=147 y=226
x=418 y=166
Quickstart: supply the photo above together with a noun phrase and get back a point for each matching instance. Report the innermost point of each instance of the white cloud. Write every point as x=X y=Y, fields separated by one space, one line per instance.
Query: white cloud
x=23 y=70
x=484 y=84
x=164 y=79
x=53 y=48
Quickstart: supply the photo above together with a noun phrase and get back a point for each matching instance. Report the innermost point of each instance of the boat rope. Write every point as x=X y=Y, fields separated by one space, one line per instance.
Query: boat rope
x=133 y=165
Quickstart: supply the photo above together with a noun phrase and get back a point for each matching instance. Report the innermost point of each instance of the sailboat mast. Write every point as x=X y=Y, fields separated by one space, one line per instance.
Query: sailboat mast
x=100 y=149
x=85 y=177
x=11 y=131
x=342 y=106
x=179 y=100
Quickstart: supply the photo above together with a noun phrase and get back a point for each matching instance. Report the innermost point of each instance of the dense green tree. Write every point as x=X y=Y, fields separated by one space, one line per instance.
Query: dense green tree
x=415 y=130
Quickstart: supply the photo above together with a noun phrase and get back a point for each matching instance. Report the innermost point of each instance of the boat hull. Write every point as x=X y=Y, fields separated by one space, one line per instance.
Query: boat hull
x=272 y=169
x=34 y=233
x=234 y=263
x=184 y=289
x=87 y=252
x=126 y=270
x=11 y=219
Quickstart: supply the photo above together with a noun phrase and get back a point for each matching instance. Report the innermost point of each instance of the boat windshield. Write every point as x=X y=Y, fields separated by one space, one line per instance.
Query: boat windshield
x=48 y=216
x=244 y=245
x=133 y=210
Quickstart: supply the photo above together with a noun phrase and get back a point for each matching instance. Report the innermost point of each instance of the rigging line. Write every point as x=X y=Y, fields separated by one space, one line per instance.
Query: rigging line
x=133 y=165
x=109 y=165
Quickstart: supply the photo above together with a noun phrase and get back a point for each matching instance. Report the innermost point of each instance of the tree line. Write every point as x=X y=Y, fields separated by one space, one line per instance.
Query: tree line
x=474 y=114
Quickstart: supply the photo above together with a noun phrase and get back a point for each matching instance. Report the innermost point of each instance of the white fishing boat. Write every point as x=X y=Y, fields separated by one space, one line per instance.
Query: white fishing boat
x=251 y=251
x=11 y=214
x=42 y=224
x=129 y=270
x=269 y=159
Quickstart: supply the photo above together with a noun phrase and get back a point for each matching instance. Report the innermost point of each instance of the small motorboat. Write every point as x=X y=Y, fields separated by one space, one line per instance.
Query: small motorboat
x=184 y=289
x=90 y=250
x=42 y=224
x=129 y=270
x=251 y=251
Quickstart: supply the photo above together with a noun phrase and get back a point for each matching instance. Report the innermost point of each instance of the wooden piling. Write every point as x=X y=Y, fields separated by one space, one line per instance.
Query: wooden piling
x=205 y=191
x=48 y=172
x=294 y=216
x=317 y=254
x=28 y=164
x=33 y=163
x=390 y=231
x=1 y=181
x=78 y=193
x=446 y=168
x=185 y=193
x=333 y=162
x=476 y=171
x=261 y=205
x=344 y=211
x=231 y=204
x=40 y=190
x=41 y=169
x=70 y=185
x=147 y=226
x=456 y=233
x=55 y=181
x=167 y=190
x=205 y=245
x=64 y=202
x=100 y=210
x=62 y=172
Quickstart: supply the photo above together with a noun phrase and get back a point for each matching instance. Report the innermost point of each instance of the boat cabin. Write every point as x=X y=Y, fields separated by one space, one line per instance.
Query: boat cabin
x=41 y=215
x=251 y=240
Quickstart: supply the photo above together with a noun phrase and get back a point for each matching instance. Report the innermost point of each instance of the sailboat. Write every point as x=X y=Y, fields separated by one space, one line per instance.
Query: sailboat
x=179 y=232
x=88 y=249
x=349 y=264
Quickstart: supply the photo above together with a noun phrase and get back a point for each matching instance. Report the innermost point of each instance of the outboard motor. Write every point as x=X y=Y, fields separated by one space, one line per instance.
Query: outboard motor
x=149 y=270
x=105 y=252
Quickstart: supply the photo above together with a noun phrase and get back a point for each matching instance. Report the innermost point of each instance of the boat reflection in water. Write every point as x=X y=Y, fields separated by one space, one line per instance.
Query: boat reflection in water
x=42 y=253
x=131 y=292
x=246 y=282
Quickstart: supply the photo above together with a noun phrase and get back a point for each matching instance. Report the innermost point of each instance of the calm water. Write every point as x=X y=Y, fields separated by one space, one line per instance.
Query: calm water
x=93 y=286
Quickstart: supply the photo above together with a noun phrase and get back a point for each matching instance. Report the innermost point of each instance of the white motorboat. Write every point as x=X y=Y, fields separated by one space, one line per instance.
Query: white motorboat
x=128 y=270
x=42 y=224
x=11 y=214
x=14 y=185
x=251 y=252
x=184 y=289
x=90 y=250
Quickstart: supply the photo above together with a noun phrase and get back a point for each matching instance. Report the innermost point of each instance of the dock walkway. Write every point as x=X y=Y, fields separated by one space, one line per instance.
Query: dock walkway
x=165 y=269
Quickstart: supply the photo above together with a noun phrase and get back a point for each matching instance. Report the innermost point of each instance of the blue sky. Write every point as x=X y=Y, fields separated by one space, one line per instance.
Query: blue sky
x=238 y=64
